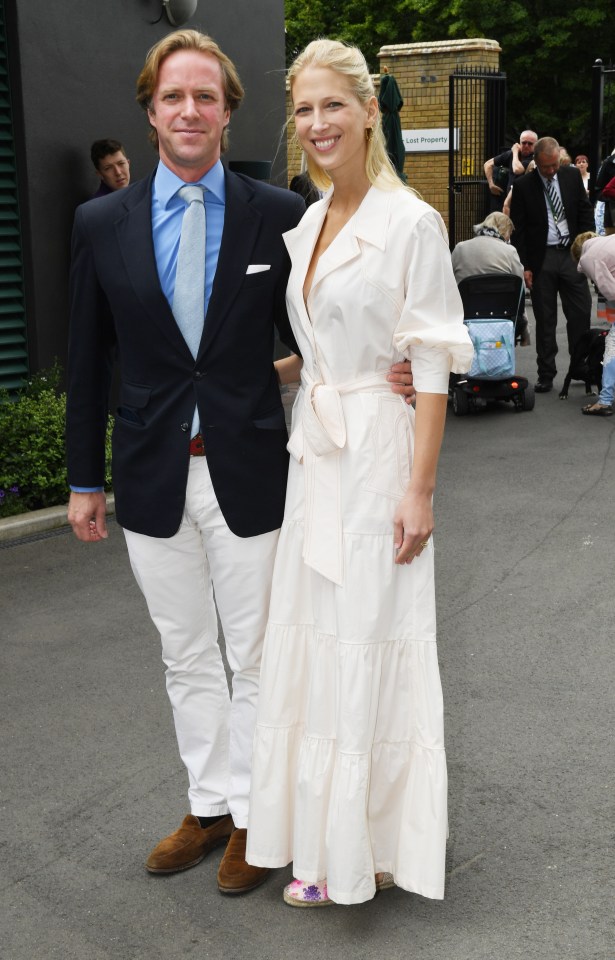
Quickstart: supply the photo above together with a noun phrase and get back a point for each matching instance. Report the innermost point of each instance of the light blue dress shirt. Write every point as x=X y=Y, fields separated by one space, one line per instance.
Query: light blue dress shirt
x=167 y=214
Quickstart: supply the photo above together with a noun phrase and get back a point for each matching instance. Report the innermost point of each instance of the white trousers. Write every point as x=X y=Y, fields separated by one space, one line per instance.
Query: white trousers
x=179 y=577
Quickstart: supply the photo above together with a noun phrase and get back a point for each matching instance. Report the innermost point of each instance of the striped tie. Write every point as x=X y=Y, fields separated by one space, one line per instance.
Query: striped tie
x=557 y=207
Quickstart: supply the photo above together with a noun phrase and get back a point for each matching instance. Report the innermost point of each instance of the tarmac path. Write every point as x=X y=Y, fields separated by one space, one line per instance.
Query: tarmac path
x=91 y=779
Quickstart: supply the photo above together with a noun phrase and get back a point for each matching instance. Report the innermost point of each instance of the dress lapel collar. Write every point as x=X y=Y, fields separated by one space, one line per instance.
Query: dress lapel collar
x=368 y=225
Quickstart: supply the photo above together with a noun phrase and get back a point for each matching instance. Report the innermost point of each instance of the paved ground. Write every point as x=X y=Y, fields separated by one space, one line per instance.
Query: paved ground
x=91 y=777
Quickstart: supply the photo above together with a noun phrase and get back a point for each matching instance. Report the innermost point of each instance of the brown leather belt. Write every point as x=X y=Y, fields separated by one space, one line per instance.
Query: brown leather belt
x=197 y=446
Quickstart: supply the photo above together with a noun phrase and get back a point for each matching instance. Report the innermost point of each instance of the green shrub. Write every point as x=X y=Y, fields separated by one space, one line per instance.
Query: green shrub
x=32 y=445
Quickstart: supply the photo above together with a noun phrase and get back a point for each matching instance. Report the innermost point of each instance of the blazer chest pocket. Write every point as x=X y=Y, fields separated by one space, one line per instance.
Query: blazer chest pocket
x=133 y=400
x=260 y=279
x=392 y=438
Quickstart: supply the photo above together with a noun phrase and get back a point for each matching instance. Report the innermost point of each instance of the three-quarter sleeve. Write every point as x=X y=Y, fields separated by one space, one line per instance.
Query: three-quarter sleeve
x=430 y=331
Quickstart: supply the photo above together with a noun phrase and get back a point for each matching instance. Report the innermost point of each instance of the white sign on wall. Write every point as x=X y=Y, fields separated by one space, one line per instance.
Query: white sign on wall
x=434 y=140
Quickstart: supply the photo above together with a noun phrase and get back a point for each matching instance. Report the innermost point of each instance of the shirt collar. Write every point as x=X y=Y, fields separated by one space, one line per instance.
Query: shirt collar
x=166 y=184
x=546 y=180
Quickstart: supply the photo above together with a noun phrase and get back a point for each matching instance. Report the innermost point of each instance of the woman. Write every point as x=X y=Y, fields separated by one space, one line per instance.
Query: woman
x=582 y=164
x=349 y=772
x=482 y=255
x=596 y=259
x=490 y=251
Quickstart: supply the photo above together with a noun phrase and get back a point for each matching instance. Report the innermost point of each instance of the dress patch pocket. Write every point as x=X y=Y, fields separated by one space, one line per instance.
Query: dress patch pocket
x=391 y=448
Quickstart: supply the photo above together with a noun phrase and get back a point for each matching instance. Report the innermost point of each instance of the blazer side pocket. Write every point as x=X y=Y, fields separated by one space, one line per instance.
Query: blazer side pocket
x=274 y=421
x=133 y=399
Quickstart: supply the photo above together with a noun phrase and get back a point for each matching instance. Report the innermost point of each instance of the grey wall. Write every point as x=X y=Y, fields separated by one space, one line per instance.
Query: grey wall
x=73 y=69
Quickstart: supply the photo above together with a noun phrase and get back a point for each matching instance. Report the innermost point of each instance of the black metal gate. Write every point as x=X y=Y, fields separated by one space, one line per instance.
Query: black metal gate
x=477 y=122
x=603 y=119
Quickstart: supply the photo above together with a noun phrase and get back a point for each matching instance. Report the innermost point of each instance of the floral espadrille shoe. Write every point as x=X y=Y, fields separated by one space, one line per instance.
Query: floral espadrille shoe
x=384 y=881
x=300 y=893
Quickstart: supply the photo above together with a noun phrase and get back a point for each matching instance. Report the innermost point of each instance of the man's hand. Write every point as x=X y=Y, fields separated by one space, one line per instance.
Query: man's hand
x=400 y=378
x=528 y=276
x=87 y=516
x=488 y=168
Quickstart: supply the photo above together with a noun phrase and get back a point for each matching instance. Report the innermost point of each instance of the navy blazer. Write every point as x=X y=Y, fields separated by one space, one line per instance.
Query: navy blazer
x=528 y=212
x=119 y=312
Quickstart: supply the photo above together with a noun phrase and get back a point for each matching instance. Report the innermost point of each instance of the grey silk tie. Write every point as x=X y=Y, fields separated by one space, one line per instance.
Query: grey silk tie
x=189 y=296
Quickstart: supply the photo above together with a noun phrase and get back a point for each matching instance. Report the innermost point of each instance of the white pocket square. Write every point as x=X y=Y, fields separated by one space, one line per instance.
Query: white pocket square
x=258 y=268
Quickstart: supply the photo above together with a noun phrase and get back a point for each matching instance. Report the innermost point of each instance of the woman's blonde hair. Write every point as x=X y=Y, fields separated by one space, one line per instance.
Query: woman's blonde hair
x=350 y=63
x=577 y=243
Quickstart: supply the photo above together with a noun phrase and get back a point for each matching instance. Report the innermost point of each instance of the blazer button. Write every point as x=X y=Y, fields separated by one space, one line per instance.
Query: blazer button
x=185 y=427
x=198 y=375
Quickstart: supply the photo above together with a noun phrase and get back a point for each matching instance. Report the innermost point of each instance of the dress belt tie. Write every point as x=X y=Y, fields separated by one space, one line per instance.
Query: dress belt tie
x=316 y=441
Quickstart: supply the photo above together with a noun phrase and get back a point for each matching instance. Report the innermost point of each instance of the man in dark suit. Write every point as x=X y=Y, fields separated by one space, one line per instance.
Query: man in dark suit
x=199 y=442
x=549 y=208
x=190 y=519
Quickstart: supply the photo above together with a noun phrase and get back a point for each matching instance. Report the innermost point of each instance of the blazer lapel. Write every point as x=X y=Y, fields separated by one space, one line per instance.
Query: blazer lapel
x=242 y=223
x=134 y=235
x=566 y=191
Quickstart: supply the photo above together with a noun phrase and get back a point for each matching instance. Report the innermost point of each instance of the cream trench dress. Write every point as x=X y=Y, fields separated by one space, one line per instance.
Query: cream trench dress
x=349 y=770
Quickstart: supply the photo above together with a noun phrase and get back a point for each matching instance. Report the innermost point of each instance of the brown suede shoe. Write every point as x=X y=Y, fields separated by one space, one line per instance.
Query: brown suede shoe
x=234 y=874
x=188 y=845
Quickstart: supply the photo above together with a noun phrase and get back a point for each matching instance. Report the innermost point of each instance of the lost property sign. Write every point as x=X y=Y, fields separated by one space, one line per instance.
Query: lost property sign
x=428 y=141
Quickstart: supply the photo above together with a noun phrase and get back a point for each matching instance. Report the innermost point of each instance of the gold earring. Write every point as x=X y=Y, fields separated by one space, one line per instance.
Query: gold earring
x=369 y=133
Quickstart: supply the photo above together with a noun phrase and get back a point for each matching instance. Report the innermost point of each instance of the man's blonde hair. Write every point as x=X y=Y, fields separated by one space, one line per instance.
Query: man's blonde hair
x=187 y=40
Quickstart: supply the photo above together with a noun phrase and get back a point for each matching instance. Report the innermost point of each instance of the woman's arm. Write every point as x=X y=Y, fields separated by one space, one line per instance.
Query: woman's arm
x=288 y=369
x=414 y=522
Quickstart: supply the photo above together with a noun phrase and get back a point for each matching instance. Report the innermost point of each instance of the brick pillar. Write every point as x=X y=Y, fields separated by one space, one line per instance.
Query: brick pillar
x=422 y=72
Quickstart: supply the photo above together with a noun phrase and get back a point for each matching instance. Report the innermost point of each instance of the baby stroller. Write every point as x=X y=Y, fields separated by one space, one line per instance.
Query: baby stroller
x=493 y=305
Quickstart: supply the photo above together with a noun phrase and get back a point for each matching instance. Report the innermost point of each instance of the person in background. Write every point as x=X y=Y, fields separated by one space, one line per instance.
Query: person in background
x=564 y=157
x=490 y=251
x=516 y=161
x=582 y=164
x=549 y=208
x=302 y=184
x=112 y=166
x=596 y=259
x=605 y=174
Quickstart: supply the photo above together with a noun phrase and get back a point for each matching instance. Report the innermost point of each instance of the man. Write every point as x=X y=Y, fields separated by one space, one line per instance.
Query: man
x=549 y=208
x=199 y=443
x=112 y=166
x=516 y=161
